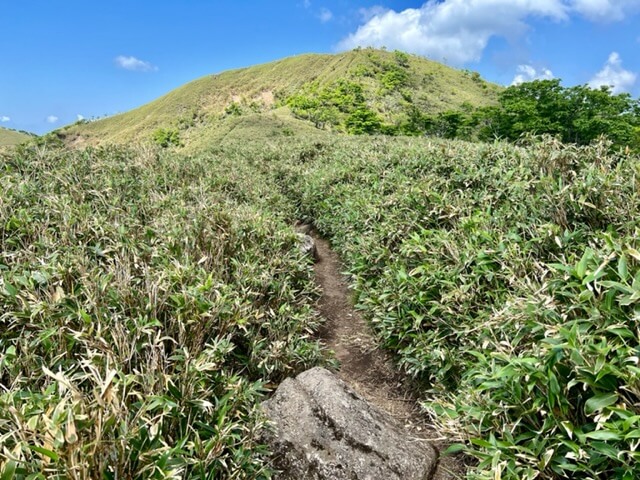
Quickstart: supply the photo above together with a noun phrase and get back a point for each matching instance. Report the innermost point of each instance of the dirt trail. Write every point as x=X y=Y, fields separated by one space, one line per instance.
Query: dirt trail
x=363 y=365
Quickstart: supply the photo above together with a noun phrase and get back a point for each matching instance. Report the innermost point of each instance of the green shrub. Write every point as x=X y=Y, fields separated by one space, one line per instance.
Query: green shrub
x=401 y=58
x=393 y=79
x=167 y=137
x=146 y=300
x=506 y=280
x=566 y=404
x=233 y=109
x=363 y=121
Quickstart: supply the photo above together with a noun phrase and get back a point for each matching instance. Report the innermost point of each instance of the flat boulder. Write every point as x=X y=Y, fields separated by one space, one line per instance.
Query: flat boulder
x=324 y=430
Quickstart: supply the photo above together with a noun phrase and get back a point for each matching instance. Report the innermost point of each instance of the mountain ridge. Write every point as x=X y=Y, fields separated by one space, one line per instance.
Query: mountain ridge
x=297 y=94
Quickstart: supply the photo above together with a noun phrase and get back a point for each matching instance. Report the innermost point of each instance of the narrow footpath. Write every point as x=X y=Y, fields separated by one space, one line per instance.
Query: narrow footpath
x=363 y=365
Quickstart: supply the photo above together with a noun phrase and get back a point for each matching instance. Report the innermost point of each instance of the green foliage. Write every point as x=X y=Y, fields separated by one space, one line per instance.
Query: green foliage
x=506 y=280
x=146 y=300
x=363 y=70
x=401 y=58
x=475 y=76
x=576 y=115
x=167 y=137
x=363 y=121
x=393 y=79
x=233 y=109
x=341 y=105
x=573 y=387
x=448 y=124
x=416 y=122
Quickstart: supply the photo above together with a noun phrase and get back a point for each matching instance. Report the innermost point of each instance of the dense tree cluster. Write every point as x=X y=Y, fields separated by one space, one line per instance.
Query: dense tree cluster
x=577 y=115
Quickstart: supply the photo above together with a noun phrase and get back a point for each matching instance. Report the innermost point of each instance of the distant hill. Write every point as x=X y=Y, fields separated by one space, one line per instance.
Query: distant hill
x=12 y=137
x=362 y=89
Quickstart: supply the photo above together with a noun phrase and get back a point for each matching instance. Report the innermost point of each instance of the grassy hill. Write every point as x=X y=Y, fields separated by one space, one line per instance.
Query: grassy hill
x=285 y=96
x=12 y=137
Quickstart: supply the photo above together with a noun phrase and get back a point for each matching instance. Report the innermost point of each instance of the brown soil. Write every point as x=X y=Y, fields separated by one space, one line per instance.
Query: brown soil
x=363 y=365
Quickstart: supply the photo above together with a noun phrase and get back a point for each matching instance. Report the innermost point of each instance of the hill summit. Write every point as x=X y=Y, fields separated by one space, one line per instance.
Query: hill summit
x=360 y=91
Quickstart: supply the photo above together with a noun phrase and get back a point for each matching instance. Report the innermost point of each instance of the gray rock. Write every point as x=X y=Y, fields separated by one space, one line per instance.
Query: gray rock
x=308 y=245
x=302 y=227
x=324 y=430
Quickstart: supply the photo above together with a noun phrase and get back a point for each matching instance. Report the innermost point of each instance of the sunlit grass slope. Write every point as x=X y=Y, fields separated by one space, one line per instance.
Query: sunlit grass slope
x=12 y=137
x=205 y=110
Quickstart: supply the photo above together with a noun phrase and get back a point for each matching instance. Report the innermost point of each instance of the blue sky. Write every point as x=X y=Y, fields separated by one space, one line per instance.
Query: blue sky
x=61 y=59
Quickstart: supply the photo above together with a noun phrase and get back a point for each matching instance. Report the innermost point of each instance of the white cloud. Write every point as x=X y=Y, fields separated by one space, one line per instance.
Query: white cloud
x=79 y=117
x=52 y=119
x=455 y=30
x=306 y=3
x=325 y=15
x=605 y=10
x=459 y=30
x=614 y=76
x=4 y=119
x=134 y=64
x=528 y=73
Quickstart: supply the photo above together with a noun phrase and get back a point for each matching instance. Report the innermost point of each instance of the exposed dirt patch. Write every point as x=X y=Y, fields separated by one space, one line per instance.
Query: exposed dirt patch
x=268 y=98
x=363 y=365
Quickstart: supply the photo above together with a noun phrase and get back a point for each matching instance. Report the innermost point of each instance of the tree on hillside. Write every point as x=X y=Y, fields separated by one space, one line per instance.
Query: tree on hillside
x=578 y=114
x=327 y=105
x=598 y=112
x=363 y=121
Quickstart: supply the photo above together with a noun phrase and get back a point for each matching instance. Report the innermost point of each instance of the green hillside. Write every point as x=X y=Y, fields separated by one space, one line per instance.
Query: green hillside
x=285 y=97
x=12 y=137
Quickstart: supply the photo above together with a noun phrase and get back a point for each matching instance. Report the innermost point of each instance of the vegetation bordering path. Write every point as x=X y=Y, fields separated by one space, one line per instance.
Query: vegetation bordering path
x=145 y=300
x=506 y=279
x=148 y=297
